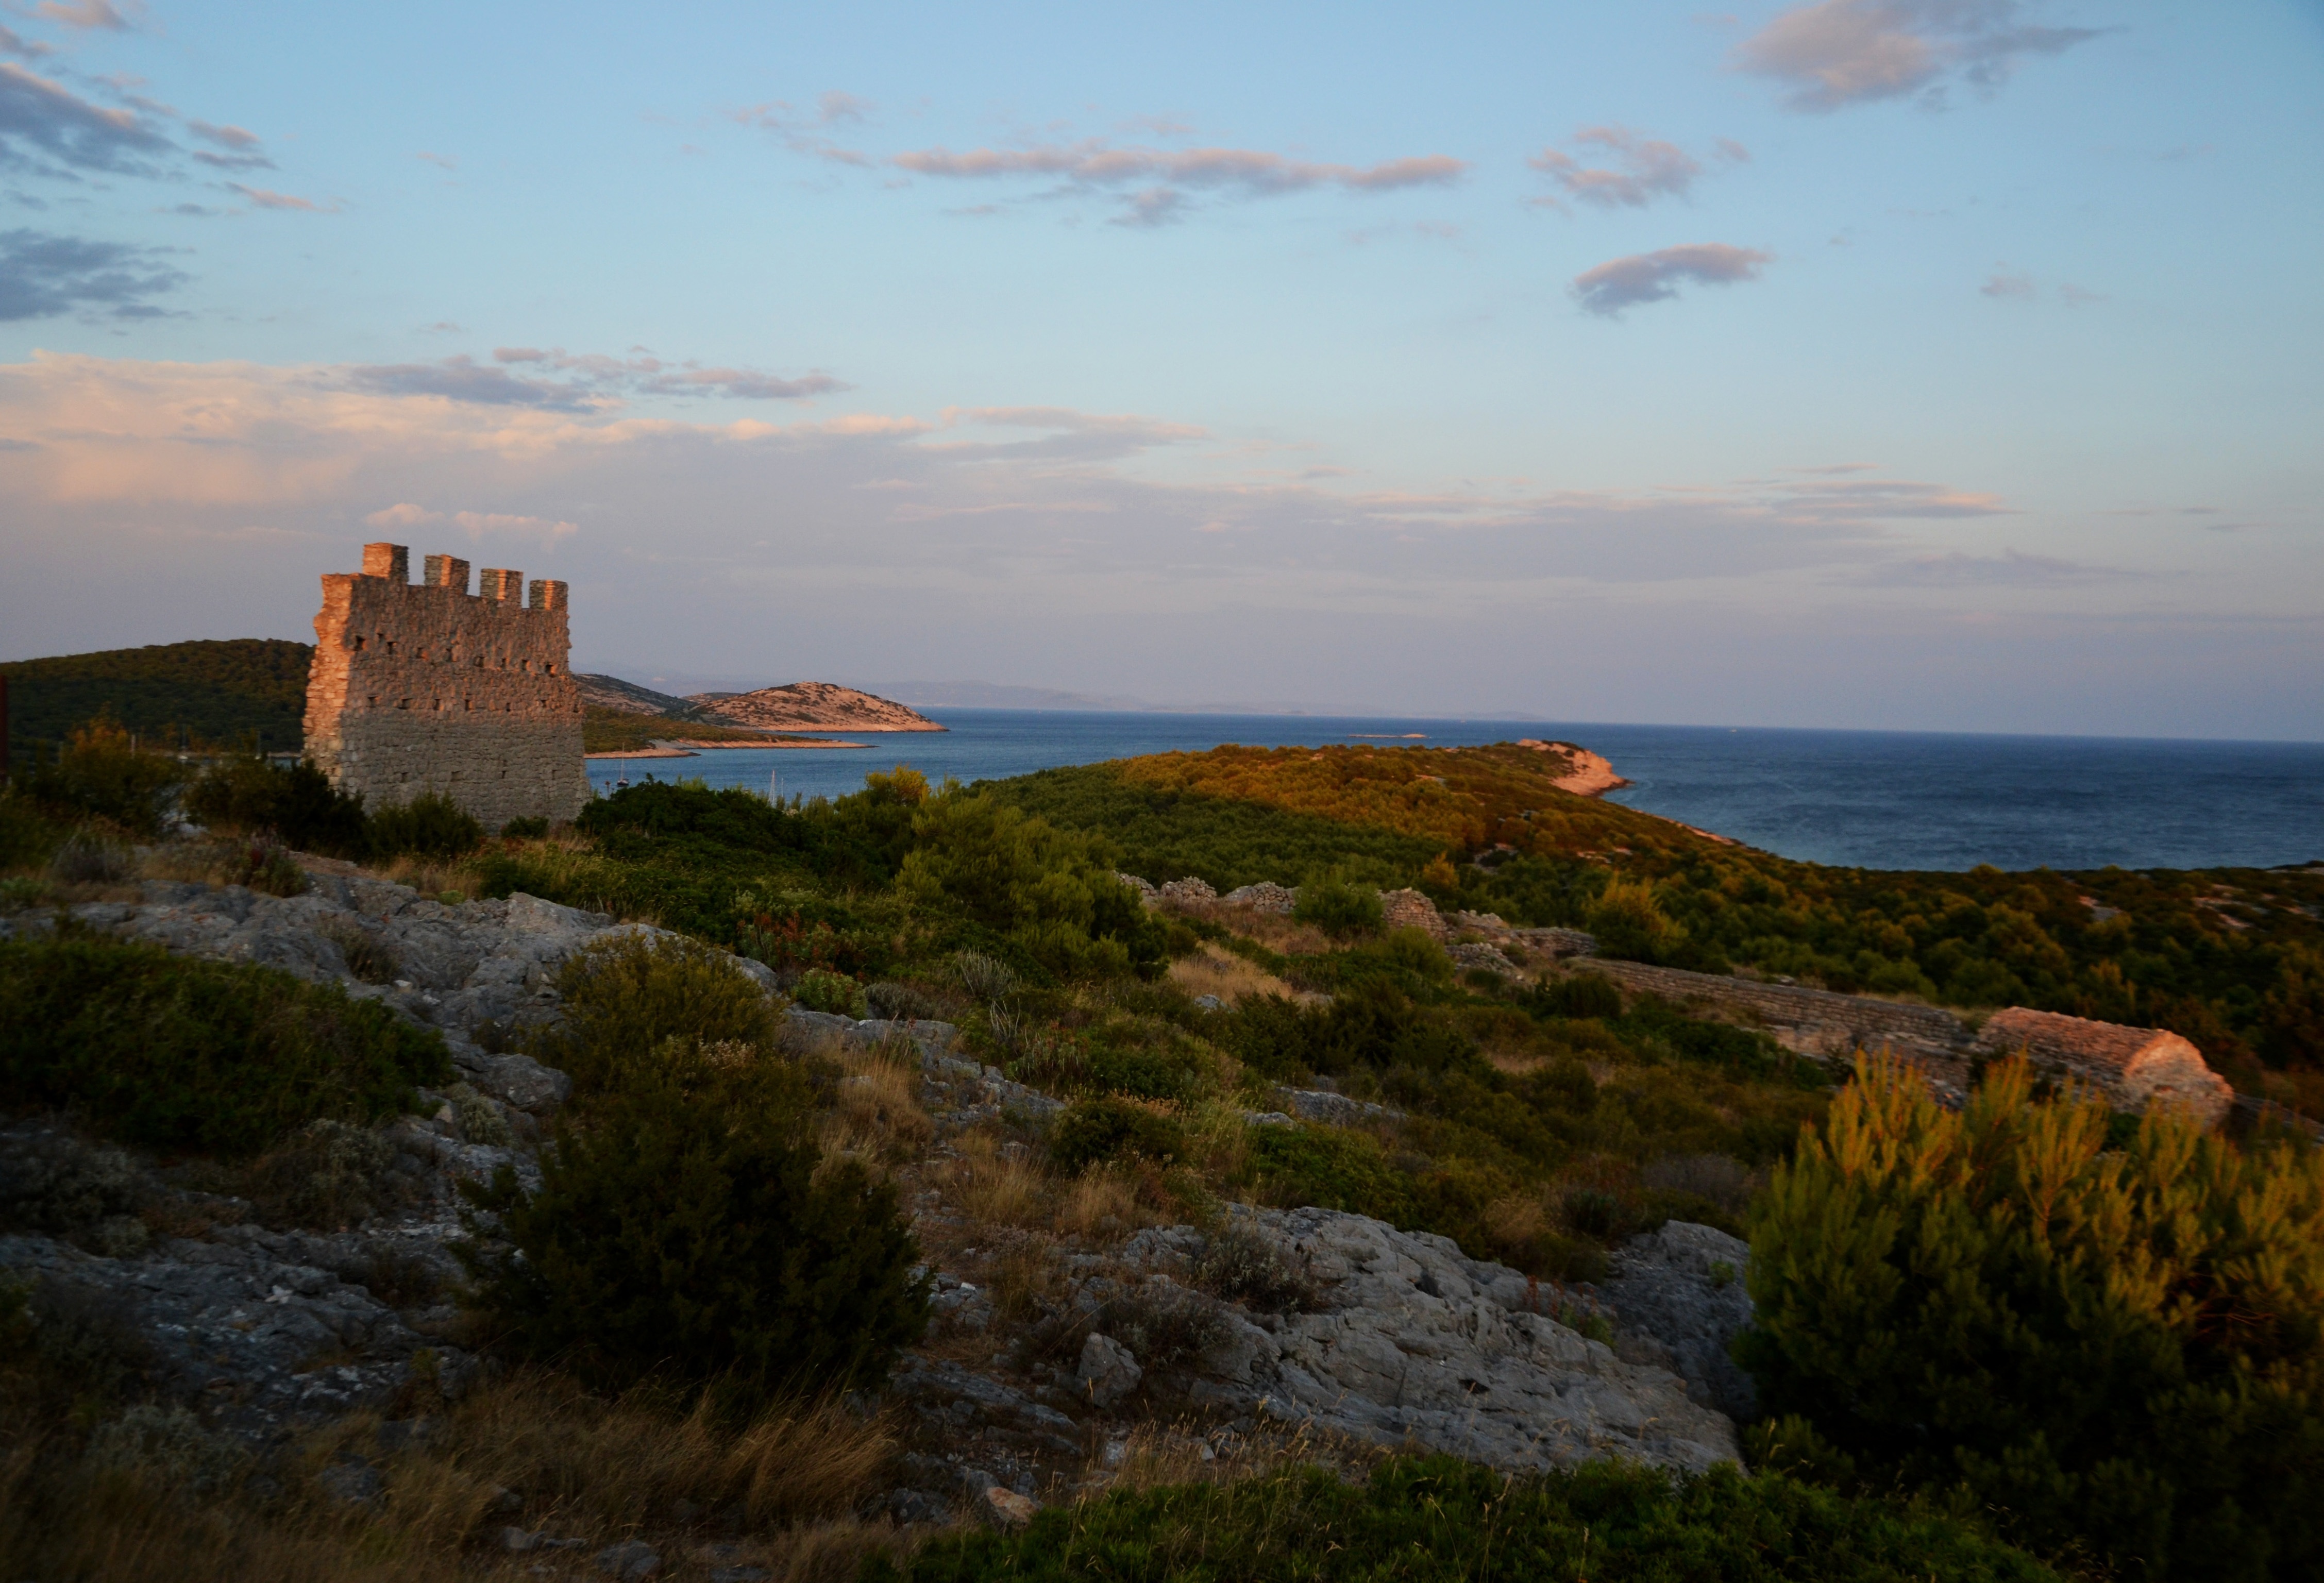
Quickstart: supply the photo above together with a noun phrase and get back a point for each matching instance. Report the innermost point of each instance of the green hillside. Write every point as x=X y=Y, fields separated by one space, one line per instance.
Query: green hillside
x=213 y=691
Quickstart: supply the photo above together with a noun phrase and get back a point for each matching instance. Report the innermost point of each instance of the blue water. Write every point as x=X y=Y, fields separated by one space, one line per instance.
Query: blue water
x=1869 y=799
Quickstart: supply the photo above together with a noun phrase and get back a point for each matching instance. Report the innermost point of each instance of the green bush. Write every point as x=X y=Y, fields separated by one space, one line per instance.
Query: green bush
x=820 y=990
x=1106 y=1128
x=298 y=805
x=627 y=997
x=2119 y=1349
x=530 y=828
x=1053 y=891
x=103 y=772
x=1331 y=1168
x=1584 y=994
x=690 y=1229
x=170 y=1052
x=1436 y=1520
x=430 y=825
x=1338 y=906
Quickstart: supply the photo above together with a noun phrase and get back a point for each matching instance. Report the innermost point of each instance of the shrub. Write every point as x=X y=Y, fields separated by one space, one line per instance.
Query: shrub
x=326 y=1176
x=61 y=1186
x=692 y=1230
x=265 y=865
x=1584 y=994
x=27 y=835
x=530 y=828
x=1109 y=1127
x=819 y=989
x=430 y=825
x=1331 y=1168
x=1629 y=921
x=253 y=796
x=87 y=857
x=1436 y=1519
x=169 y=1052
x=1244 y=1264
x=101 y=772
x=1053 y=890
x=2118 y=1348
x=1338 y=906
x=624 y=998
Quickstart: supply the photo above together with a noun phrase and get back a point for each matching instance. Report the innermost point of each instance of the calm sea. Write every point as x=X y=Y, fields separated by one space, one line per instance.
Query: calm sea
x=1872 y=799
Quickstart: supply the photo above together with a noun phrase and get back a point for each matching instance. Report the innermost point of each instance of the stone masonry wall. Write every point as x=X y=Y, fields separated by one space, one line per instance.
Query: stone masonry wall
x=420 y=688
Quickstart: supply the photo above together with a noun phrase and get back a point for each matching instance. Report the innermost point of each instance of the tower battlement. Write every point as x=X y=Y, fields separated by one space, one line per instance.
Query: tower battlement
x=425 y=687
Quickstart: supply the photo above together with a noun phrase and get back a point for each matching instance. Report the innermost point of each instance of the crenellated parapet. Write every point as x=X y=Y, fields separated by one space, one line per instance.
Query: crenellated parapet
x=425 y=687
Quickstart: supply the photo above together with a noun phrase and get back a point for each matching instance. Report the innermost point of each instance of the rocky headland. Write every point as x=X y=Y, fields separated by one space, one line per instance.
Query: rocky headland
x=810 y=706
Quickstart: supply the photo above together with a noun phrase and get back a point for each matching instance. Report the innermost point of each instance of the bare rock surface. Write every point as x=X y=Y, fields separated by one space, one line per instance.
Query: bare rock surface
x=1679 y=1301
x=1413 y=1342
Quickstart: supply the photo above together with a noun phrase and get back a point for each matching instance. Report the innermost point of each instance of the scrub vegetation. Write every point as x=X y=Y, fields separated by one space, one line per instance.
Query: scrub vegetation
x=2126 y=1315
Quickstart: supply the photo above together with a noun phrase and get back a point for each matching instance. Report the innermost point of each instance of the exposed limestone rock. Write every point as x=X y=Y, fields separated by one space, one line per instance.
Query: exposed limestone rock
x=1413 y=1341
x=1679 y=1299
x=2132 y=1068
x=1185 y=892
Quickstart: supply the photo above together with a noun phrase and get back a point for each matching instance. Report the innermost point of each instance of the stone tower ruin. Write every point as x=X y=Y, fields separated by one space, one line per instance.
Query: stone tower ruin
x=427 y=687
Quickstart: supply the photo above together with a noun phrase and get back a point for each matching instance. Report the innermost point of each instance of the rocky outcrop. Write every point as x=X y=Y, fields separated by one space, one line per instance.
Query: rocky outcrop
x=453 y=966
x=1410 y=1341
x=1679 y=1301
x=2134 y=1067
x=1587 y=774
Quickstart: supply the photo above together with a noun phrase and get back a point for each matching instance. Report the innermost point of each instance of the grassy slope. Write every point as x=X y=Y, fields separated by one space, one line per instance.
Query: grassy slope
x=219 y=692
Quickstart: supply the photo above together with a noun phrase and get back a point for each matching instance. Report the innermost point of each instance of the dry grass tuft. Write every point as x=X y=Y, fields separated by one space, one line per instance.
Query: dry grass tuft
x=1216 y=970
x=876 y=1117
x=998 y=1182
x=531 y=1451
x=1104 y=1205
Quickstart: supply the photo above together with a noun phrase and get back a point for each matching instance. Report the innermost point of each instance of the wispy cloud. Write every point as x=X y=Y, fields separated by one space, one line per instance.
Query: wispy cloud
x=591 y=381
x=1655 y=277
x=15 y=43
x=233 y=148
x=1161 y=178
x=87 y=13
x=406 y=516
x=1834 y=53
x=1634 y=172
x=261 y=197
x=810 y=132
x=42 y=275
x=2008 y=285
x=442 y=161
x=2009 y=569
x=46 y=127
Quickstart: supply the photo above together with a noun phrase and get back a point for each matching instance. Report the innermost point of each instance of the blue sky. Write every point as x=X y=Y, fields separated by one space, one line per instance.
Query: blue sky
x=1921 y=364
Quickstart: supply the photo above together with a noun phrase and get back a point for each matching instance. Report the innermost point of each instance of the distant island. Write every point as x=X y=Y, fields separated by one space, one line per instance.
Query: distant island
x=810 y=706
x=626 y=720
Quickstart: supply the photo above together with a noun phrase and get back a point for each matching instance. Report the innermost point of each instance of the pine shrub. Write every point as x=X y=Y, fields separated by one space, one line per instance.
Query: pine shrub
x=1109 y=1127
x=624 y=998
x=2117 y=1349
x=691 y=1230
